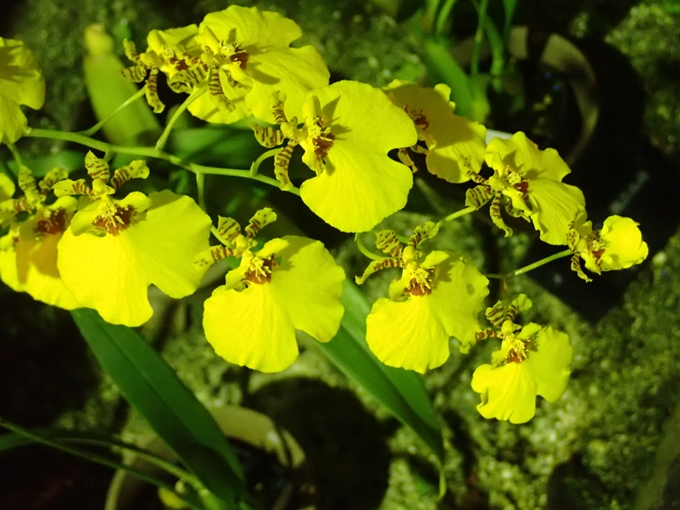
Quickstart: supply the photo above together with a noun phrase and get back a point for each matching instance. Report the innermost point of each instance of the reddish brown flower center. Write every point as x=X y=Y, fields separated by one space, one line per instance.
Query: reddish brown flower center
x=115 y=223
x=55 y=223
x=261 y=273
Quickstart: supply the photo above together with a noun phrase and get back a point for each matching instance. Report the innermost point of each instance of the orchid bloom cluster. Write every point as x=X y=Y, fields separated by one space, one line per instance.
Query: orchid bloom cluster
x=90 y=243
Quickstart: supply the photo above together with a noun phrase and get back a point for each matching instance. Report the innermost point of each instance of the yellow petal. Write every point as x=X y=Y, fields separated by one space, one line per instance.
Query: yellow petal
x=293 y=71
x=460 y=290
x=554 y=206
x=361 y=184
x=407 y=334
x=204 y=108
x=36 y=263
x=256 y=327
x=112 y=273
x=524 y=156
x=309 y=283
x=456 y=145
x=414 y=334
x=20 y=83
x=357 y=190
x=508 y=392
x=103 y=273
x=249 y=328
x=623 y=244
x=175 y=230
x=548 y=363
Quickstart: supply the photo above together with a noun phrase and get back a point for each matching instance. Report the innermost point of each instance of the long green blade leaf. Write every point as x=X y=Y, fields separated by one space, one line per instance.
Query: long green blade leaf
x=400 y=391
x=443 y=68
x=173 y=412
x=23 y=437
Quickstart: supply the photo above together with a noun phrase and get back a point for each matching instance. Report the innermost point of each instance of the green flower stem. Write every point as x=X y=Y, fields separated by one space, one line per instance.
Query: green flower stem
x=479 y=38
x=100 y=124
x=15 y=152
x=366 y=251
x=95 y=458
x=150 y=152
x=532 y=266
x=160 y=144
x=200 y=185
x=255 y=167
x=444 y=17
x=456 y=215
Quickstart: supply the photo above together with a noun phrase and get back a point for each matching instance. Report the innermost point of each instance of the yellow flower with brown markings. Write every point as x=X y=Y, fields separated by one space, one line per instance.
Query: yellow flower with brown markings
x=20 y=83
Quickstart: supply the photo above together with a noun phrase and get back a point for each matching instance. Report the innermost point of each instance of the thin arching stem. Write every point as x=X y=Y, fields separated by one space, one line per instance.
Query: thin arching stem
x=137 y=95
x=150 y=152
x=534 y=265
x=160 y=144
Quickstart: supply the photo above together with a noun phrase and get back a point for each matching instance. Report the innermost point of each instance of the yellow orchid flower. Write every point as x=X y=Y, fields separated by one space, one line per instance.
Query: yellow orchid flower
x=436 y=298
x=114 y=249
x=28 y=252
x=532 y=360
x=291 y=283
x=20 y=83
x=618 y=245
x=248 y=54
x=455 y=145
x=529 y=181
x=349 y=127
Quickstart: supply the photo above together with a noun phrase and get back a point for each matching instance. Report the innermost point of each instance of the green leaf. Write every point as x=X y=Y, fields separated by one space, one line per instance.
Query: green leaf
x=59 y=440
x=173 y=412
x=509 y=7
x=70 y=160
x=443 y=68
x=401 y=391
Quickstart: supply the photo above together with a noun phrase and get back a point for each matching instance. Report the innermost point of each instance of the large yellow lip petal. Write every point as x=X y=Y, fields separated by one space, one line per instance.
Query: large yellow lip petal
x=103 y=273
x=249 y=328
x=112 y=273
x=167 y=240
x=37 y=273
x=20 y=83
x=361 y=185
x=549 y=363
x=256 y=326
x=414 y=334
x=554 y=206
x=407 y=334
x=358 y=190
x=309 y=283
x=508 y=392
